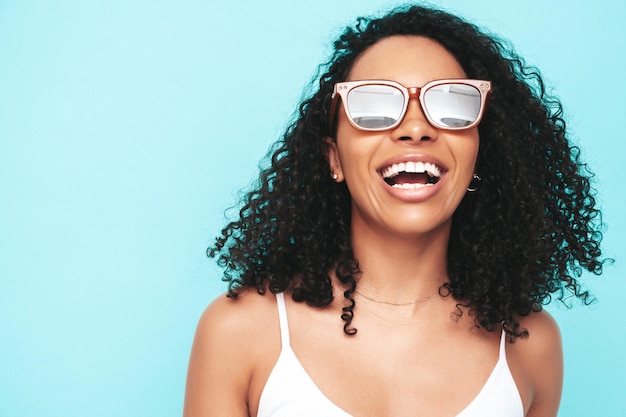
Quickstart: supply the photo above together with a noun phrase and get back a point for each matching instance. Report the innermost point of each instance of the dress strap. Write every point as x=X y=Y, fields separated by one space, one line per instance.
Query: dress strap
x=503 y=345
x=282 y=319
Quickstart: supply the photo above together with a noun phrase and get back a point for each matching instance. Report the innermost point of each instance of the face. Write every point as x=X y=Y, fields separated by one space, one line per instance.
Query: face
x=386 y=196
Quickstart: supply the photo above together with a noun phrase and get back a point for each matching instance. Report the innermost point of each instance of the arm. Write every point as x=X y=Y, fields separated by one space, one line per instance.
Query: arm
x=219 y=369
x=541 y=357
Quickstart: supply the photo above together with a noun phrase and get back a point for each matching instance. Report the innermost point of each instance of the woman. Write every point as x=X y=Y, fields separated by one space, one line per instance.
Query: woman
x=427 y=200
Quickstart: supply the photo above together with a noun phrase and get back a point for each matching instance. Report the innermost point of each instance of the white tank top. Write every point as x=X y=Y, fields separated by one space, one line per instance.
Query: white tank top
x=290 y=392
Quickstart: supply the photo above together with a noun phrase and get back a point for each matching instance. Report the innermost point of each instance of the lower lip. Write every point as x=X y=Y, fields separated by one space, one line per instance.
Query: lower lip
x=414 y=195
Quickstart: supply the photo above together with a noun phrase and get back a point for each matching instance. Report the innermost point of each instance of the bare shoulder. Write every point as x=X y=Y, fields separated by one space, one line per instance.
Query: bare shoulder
x=537 y=364
x=231 y=336
x=544 y=335
x=237 y=317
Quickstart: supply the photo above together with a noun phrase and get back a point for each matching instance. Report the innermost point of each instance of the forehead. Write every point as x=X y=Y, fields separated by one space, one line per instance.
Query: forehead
x=410 y=60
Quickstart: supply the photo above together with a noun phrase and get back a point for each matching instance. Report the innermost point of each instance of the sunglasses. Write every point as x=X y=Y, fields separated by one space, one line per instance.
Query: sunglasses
x=376 y=105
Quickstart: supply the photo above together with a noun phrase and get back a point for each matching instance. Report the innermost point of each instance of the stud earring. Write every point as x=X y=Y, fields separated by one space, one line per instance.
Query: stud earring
x=334 y=176
x=473 y=186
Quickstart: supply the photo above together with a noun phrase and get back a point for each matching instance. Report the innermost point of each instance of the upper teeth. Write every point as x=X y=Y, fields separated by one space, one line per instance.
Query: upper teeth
x=412 y=167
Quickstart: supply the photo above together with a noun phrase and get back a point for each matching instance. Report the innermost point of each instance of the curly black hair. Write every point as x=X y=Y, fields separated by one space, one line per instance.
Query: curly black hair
x=523 y=238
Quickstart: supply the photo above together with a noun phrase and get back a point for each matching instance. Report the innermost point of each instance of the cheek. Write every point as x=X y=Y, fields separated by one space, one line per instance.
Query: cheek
x=352 y=158
x=356 y=148
x=468 y=151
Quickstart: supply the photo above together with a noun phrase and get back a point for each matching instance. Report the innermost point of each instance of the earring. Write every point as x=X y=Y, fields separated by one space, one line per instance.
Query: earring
x=473 y=186
x=334 y=176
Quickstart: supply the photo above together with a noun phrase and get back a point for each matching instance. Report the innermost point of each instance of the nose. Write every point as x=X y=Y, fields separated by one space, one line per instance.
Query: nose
x=415 y=125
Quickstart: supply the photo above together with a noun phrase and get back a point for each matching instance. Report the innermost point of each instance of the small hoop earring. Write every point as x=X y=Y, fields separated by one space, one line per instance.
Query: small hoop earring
x=473 y=186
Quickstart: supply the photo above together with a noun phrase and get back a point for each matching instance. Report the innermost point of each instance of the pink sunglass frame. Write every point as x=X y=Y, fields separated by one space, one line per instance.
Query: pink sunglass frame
x=341 y=90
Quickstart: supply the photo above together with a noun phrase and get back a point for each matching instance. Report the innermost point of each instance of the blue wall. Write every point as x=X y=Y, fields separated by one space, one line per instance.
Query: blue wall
x=128 y=127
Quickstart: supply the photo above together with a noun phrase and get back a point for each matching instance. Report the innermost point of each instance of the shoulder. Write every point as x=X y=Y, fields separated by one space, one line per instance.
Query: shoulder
x=543 y=333
x=537 y=364
x=235 y=317
x=231 y=337
x=235 y=328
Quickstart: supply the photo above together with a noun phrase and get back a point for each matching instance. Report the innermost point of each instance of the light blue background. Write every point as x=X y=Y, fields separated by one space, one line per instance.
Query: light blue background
x=128 y=127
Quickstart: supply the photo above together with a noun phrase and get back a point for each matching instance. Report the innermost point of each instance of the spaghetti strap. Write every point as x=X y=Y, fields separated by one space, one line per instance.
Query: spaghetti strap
x=503 y=345
x=282 y=319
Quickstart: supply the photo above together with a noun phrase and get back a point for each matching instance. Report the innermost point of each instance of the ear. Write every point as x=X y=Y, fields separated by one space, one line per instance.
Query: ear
x=332 y=156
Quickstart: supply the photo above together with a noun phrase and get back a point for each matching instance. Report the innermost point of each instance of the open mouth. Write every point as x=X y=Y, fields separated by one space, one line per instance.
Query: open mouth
x=412 y=174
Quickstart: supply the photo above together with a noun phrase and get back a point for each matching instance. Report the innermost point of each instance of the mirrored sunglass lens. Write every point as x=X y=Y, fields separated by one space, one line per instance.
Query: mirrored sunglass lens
x=375 y=106
x=453 y=105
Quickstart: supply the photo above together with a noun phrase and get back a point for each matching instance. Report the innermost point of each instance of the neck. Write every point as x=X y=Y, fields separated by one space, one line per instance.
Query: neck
x=400 y=269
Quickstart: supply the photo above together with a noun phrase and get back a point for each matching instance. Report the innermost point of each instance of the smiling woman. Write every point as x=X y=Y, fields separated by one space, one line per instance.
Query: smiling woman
x=427 y=200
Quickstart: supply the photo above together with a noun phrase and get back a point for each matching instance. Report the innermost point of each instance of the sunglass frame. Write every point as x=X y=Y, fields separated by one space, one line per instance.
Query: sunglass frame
x=341 y=90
